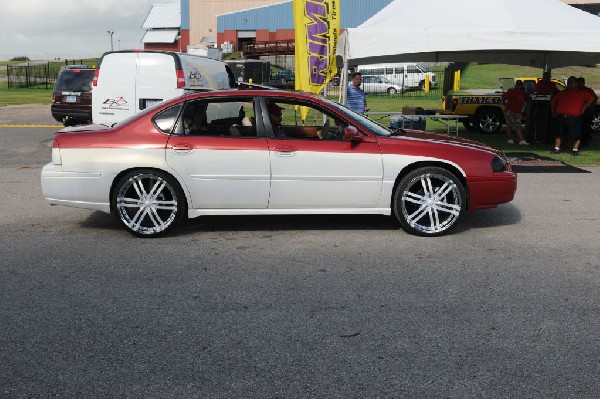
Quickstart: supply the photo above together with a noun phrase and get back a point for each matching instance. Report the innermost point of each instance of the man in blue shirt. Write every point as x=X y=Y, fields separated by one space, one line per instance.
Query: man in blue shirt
x=356 y=99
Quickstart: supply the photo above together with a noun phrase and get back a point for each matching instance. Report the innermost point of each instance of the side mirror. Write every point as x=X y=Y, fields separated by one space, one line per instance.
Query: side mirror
x=351 y=134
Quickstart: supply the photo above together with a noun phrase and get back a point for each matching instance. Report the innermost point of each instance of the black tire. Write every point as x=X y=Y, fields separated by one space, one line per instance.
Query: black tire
x=596 y=120
x=429 y=201
x=422 y=85
x=392 y=90
x=488 y=120
x=148 y=203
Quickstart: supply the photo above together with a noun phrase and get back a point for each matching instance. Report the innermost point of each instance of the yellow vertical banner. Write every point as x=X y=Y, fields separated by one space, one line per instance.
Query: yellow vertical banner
x=317 y=27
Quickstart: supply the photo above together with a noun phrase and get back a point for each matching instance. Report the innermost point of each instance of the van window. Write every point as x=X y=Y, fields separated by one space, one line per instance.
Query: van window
x=412 y=69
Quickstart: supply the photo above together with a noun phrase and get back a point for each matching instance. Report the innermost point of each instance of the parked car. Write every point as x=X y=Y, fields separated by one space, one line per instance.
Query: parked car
x=285 y=75
x=195 y=155
x=72 y=95
x=379 y=84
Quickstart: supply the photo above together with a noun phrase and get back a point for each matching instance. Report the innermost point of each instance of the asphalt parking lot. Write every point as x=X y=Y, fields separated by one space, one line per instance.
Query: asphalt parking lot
x=296 y=307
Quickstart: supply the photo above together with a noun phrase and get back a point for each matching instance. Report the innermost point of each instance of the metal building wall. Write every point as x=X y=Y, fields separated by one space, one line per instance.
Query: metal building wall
x=202 y=16
x=280 y=16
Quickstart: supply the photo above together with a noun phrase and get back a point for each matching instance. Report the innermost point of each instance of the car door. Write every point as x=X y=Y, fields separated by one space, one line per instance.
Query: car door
x=312 y=173
x=224 y=164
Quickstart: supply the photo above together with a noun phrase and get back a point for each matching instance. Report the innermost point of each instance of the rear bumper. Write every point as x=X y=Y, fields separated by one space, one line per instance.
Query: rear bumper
x=80 y=113
x=76 y=189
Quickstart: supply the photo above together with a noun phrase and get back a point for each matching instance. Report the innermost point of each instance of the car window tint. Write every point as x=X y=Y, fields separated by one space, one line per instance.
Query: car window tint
x=220 y=118
x=317 y=121
x=165 y=120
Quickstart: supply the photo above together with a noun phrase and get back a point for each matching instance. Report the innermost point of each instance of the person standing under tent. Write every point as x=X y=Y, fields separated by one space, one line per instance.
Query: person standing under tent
x=588 y=114
x=567 y=108
x=514 y=101
x=356 y=98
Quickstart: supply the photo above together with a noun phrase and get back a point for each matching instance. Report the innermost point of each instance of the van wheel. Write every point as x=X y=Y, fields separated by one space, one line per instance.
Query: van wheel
x=422 y=85
x=148 y=203
x=429 y=201
x=488 y=120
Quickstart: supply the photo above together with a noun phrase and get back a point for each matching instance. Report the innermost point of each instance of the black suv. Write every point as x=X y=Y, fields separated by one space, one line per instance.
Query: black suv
x=72 y=95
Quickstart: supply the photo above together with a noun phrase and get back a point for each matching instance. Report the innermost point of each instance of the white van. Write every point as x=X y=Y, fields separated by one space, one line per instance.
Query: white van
x=408 y=75
x=127 y=82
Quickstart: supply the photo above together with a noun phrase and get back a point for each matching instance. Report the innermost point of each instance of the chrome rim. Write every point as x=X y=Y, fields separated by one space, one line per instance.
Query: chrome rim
x=431 y=203
x=596 y=122
x=489 y=123
x=147 y=204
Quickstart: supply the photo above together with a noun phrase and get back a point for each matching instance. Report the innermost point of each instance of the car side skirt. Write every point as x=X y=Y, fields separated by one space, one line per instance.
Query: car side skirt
x=193 y=213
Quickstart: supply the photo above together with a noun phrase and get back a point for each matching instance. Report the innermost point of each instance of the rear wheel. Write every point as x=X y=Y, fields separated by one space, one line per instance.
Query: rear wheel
x=392 y=90
x=148 y=203
x=429 y=201
x=488 y=120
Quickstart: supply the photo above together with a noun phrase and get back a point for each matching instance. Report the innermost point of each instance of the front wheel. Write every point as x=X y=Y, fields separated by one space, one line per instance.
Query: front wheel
x=429 y=201
x=148 y=203
x=392 y=90
x=488 y=120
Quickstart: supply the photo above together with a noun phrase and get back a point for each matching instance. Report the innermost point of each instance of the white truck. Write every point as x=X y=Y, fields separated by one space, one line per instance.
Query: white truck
x=127 y=82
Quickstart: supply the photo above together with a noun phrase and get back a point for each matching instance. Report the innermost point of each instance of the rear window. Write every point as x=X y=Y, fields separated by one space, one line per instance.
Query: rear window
x=75 y=80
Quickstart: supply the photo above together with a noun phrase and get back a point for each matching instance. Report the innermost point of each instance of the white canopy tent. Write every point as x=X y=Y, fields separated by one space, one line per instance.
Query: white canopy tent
x=539 y=33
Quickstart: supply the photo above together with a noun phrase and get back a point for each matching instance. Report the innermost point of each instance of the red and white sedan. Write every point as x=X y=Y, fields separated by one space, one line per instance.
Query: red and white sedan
x=248 y=152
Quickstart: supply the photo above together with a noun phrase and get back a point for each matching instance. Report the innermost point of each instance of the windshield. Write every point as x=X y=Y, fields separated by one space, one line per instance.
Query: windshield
x=369 y=124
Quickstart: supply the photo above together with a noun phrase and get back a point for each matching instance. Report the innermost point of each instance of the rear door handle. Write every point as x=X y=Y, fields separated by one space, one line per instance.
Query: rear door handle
x=182 y=148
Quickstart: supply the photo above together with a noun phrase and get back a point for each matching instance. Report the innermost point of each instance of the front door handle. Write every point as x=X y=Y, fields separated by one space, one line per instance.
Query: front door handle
x=285 y=149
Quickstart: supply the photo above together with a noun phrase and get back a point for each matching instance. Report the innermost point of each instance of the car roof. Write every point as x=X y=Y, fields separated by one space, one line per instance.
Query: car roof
x=260 y=92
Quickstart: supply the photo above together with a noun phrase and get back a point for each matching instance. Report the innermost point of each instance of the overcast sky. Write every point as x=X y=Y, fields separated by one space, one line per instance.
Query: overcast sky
x=48 y=29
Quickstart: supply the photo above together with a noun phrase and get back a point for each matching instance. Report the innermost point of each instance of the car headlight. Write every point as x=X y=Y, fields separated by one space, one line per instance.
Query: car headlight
x=499 y=164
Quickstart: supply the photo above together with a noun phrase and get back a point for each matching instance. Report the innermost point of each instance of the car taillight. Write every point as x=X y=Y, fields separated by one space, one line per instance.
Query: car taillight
x=95 y=79
x=180 y=79
x=56 y=159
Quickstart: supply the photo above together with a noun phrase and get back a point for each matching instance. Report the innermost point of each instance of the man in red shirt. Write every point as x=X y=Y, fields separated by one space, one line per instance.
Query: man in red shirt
x=514 y=101
x=567 y=108
x=545 y=85
x=588 y=115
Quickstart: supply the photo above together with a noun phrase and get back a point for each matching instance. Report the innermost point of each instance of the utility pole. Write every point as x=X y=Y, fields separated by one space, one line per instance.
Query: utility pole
x=110 y=33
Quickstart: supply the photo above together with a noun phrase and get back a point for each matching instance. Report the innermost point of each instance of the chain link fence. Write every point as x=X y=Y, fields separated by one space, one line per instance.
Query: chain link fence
x=36 y=75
